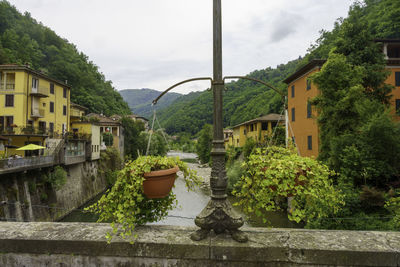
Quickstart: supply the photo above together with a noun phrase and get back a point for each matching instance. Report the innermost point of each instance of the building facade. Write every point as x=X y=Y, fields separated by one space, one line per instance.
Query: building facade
x=256 y=129
x=34 y=107
x=303 y=128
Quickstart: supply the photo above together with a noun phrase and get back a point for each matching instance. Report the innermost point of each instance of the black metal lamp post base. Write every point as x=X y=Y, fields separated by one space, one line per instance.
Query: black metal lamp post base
x=219 y=216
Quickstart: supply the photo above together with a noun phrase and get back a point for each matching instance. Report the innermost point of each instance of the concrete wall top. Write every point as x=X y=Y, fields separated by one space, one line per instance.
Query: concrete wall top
x=83 y=243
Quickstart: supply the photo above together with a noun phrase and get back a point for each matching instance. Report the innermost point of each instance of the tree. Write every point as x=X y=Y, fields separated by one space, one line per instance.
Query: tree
x=358 y=136
x=133 y=140
x=204 y=143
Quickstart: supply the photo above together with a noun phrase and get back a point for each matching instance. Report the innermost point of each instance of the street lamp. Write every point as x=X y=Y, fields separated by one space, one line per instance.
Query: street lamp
x=218 y=215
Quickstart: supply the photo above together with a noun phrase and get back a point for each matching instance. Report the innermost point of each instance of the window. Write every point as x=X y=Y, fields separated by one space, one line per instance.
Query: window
x=292 y=90
x=264 y=126
x=51 y=127
x=52 y=107
x=9 y=100
x=293 y=114
x=2 y=124
x=309 y=142
x=308 y=85
x=9 y=121
x=65 y=92
x=398 y=106
x=308 y=110
x=397 y=77
x=251 y=127
x=52 y=88
x=35 y=83
x=42 y=126
x=273 y=124
x=65 y=110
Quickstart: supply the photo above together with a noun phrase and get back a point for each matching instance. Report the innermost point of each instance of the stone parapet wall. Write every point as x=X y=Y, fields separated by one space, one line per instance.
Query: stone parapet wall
x=84 y=244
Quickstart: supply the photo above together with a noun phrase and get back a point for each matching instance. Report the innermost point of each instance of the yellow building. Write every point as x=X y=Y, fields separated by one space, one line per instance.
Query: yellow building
x=34 y=107
x=257 y=129
x=89 y=131
x=113 y=126
x=303 y=128
x=77 y=112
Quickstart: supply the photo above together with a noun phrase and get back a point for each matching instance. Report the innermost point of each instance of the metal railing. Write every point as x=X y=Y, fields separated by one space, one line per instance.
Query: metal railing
x=28 y=130
x=27 y=162
x=7 y=86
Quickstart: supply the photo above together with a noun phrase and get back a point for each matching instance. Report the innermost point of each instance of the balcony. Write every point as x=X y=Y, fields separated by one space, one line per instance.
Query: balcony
x=42 y=91
x=75 y=113
x=38 y=113
x=20 y=164
x=7 y=87
x=27 y=131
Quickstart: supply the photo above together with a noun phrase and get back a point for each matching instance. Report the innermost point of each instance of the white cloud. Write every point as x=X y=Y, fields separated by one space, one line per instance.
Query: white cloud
x=155 y=43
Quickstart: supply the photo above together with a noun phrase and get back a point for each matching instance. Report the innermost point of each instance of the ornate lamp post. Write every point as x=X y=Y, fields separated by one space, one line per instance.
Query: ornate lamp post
x=218 y=215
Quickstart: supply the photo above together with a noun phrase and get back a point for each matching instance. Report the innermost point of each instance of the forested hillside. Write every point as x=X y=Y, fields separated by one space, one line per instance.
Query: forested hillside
x=245 y=100
x=25 y=41
x=140 y=100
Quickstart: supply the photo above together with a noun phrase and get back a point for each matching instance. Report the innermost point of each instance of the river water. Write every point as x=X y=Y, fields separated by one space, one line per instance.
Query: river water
x=190 y=204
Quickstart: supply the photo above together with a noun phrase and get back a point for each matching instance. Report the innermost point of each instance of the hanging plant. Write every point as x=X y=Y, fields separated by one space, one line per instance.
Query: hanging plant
x=274 y=174
x=126 y=205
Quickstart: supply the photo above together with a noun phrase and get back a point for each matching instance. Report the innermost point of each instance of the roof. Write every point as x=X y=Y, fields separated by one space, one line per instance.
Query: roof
x=303 y=70
x=103 y=120
x=387 y=40
x=36 y=73
x=269 y=117
x=78 y=106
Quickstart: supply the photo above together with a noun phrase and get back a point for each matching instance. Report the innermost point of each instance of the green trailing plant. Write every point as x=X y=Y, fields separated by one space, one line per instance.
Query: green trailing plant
x=274 y=174
x=125 y=204
x=108 y=138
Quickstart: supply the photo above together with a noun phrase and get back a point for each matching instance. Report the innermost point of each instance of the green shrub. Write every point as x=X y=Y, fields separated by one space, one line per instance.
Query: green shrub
x=248 y=147
x=108 y=138
x=57 y=178
x=275 y=173
x=234 y=172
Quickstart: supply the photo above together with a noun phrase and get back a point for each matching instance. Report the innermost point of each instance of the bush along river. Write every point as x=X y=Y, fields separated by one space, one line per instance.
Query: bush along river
x=190 y=204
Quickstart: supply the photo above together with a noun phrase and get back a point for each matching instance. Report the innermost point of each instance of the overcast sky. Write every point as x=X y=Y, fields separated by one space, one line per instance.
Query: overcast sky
x=156 y=43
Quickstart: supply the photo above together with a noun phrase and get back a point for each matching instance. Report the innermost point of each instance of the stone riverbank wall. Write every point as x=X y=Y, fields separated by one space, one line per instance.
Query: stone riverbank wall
x=29 y=196
x=84 y=244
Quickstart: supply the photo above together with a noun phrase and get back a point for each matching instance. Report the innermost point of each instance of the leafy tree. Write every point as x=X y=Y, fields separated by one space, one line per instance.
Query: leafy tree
x=25 y=41
x=133 y=141
x=204 y=143
x=158 y=146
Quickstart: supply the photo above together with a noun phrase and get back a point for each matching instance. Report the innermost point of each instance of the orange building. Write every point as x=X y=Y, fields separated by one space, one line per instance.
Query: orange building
x=303 y=128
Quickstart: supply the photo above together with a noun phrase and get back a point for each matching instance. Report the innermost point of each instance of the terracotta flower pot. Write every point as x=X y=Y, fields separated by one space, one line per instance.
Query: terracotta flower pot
x=158 y=184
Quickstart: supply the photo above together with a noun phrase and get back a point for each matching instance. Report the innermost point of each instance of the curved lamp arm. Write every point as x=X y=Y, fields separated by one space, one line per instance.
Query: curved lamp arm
x=255 y=80
x=177 y=84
